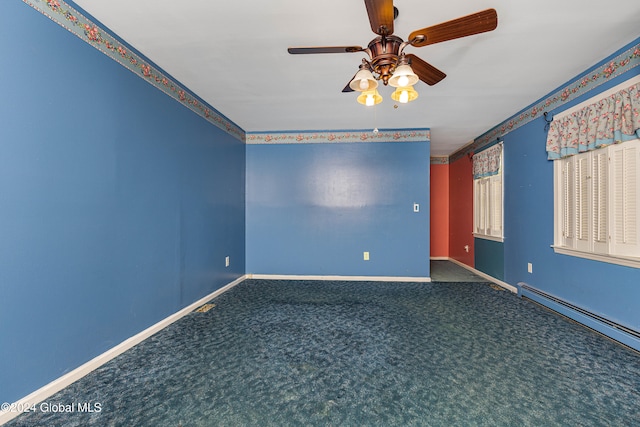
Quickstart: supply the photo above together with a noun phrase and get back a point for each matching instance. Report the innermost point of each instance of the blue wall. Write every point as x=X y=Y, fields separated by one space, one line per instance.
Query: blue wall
x=313 y=209
x=117 y=204
x=606 y=289
x=489 y=257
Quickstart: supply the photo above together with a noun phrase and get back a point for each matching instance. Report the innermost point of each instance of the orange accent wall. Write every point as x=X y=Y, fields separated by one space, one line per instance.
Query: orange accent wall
x=461 y=210
x=439 y=210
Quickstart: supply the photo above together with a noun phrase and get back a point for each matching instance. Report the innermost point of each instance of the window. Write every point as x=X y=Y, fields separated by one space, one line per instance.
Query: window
x=487 y=194
x=596 y=204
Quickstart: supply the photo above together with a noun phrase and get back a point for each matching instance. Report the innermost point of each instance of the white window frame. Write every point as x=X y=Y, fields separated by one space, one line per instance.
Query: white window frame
x=597 y=204
x=488 y=206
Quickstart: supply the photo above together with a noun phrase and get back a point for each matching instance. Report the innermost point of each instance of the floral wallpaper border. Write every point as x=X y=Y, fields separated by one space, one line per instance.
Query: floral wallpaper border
x=439 y=160
x=324 y=137
x=619 y=65
x=73 y=21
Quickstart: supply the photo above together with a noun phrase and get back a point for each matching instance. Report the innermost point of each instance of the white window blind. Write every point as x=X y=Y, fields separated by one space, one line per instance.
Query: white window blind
x=600 y=201
x=597 y=197
x=625 y=228
x=488 y=194
x=582 y=202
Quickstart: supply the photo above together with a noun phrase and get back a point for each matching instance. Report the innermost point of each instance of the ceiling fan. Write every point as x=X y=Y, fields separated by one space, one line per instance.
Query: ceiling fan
x=386 y=52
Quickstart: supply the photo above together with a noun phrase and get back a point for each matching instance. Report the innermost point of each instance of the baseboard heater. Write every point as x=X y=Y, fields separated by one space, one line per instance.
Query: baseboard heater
x=616 y=331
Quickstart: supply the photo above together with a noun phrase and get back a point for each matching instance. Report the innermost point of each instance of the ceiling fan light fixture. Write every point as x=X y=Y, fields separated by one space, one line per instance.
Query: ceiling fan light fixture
x=403 y=76
x=370 y=98
x=363 y=81
x=404 y=94
x=388 y=62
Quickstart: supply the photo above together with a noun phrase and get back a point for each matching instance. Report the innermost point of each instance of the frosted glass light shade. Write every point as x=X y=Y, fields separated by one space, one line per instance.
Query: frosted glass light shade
x=363 y=81
x=404 y=94
x=370 y=98
x=403 y=76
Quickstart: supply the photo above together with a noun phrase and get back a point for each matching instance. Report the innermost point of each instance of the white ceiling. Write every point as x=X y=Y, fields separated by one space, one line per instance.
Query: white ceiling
x=233 y=54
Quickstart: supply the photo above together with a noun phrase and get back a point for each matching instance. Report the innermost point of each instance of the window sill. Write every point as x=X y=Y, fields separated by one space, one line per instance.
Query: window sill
x=486 y=237
x=626 y=261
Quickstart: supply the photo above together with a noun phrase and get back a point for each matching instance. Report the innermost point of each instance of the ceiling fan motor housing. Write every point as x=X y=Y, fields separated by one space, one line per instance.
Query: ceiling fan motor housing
x=384 y=55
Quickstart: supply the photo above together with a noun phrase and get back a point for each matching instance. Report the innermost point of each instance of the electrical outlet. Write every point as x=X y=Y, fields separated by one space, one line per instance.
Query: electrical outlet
x=530 y=267
x=366 y=256
x=226 y=261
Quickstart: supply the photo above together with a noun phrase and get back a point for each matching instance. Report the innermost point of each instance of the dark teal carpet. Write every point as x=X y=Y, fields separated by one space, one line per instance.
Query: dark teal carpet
x=278 y=353
x=448 y=271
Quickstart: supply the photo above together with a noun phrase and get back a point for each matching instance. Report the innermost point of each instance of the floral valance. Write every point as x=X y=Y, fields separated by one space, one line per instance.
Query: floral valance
x=615 y=118
x=487 y=162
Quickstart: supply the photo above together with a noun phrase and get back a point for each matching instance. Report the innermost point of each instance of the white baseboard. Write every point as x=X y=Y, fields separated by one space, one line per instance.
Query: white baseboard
x=486 y=276
x=340 y=278
x=55 y=386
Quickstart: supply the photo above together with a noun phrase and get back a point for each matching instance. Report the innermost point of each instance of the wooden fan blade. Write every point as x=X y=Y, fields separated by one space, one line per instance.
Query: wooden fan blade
x=347 y=88
x=324 y=49
x=476 y=23
x=380 y=16
x=427 y=72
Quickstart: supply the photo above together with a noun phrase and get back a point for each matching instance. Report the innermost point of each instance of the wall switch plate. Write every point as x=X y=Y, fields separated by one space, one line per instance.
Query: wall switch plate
x=226 y=261
x=366 y=256
x=416 y=207
x=530 y=267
